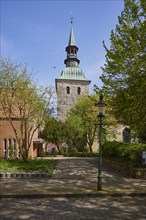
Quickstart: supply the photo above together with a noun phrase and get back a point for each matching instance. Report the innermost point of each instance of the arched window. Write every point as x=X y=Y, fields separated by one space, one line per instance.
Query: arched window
x=68 y=90
x=78 y=90
x=126 y=135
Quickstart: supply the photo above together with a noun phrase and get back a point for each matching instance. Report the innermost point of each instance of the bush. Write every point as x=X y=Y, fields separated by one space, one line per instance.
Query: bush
x=82 y=154
x=49 y=154
x=86 y=149
x=71 y=150
x=124 y=152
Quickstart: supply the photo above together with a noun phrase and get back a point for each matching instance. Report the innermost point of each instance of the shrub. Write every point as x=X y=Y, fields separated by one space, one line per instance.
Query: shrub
x=49 y=154
x=86 y=149
x=82 y=154
x=124 y=152
x=71 y=150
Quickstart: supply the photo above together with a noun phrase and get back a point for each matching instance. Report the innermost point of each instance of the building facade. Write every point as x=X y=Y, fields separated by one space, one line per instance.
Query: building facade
x=9 y=148
x=11 y=135
x=72 y=82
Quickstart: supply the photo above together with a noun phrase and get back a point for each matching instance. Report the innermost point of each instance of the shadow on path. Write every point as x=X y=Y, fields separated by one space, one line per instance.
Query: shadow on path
x=77 y=175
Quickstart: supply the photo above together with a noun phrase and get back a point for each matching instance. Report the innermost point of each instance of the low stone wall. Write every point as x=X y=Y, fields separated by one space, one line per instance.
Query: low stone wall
x=24 y=175
x=126 y=168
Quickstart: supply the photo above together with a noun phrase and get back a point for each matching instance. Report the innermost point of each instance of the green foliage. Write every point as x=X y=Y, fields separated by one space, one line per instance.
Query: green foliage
x=17 y=166
x=71 y=150
x=83 y=120
x=124 y=73
x=62 y=151
x=50 y=154
x=55 y=132
x=81 y=154
x=124 y=152
x=86 y=149
x=76 y=136
x=11 y=152
x=22 y=99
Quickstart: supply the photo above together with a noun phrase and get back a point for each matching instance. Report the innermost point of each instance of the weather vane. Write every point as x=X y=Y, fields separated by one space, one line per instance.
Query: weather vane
x=71 y=17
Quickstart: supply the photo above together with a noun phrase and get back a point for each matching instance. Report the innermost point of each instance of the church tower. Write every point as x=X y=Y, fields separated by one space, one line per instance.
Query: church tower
x=72 y=82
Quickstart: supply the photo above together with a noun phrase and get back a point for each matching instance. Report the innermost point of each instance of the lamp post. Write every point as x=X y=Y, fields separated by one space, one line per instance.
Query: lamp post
x=101 y=105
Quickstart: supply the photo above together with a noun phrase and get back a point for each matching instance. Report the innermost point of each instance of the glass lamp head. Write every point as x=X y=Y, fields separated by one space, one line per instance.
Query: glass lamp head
x=101 y=106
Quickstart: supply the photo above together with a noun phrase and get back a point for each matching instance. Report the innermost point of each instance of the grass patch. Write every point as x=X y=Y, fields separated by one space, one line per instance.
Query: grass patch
x=19 y=166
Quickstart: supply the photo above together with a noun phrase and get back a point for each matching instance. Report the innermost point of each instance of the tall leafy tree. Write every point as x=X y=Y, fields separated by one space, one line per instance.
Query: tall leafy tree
x=85 y=115
x=22 y=100
x=76 y=134
x=124 y=73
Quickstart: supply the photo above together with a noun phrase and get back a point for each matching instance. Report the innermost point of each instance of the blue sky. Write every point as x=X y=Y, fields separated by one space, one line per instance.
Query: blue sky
x=37 y=32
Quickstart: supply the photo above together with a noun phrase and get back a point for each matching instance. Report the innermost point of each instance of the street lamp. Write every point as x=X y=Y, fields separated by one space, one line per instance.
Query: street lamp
x=101 y=105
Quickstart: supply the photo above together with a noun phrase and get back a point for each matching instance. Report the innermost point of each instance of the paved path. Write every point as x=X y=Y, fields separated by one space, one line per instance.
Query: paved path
x=72 y=195
x=84 y=171
x=73 y=176
x=76 y=168
x=84 y=208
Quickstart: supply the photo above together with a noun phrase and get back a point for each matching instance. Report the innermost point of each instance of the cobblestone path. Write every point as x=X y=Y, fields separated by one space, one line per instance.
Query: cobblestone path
x=73 y=175
x=85 y=208
x=79 y=168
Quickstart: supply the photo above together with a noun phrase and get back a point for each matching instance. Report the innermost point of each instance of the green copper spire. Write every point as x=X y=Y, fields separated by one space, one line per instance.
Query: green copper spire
x=72 y=70
x=71 y=38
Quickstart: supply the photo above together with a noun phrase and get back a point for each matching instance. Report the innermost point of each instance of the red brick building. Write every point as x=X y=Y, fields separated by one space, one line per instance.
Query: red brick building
x=8 y=142
x=8 y=139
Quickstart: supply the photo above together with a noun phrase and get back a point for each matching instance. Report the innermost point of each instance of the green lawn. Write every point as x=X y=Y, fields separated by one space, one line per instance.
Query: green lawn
x=36 y=165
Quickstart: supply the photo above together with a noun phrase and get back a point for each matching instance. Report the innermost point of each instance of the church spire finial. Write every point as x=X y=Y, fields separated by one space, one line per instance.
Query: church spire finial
x=71 y=49
x=71 y=17
x=71 y=37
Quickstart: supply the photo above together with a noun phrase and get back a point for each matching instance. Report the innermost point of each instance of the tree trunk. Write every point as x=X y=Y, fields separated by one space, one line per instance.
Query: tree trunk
x=90 y=147
x=25 y=145
x=25 y=155
x=57 y=147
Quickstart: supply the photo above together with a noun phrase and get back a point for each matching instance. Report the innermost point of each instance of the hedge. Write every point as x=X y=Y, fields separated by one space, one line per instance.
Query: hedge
x=81 y=154
x=124 y=152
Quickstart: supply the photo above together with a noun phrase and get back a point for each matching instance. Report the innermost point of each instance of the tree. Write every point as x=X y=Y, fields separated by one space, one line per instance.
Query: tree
x=62 y=133
x=55 y=132
x=75 y=132
x=124 y=73
x=22 y=100
x=84 y=114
